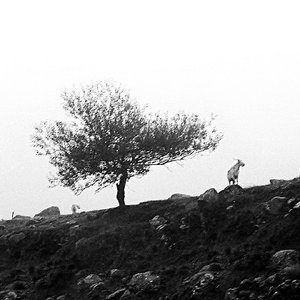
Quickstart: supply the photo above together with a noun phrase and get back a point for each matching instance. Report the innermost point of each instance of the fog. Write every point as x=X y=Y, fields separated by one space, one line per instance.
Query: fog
x=239 y=60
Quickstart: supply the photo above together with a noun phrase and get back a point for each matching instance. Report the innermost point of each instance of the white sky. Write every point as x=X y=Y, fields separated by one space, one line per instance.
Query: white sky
x=237 y=59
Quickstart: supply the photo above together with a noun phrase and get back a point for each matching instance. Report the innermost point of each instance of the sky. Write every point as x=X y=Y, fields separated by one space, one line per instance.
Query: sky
x=237 y=59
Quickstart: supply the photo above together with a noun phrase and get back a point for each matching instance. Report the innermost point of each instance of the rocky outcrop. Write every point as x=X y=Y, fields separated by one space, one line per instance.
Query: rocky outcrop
x=146 y=281
x=52 y=211
x=179 y=196
x=285 y=258
x=231 y=191
x=277 y=205
x=210 y=196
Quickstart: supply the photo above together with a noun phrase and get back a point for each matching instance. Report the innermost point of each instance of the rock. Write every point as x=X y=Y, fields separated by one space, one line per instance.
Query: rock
x=90 y=280
x=278 y=182
x=231 y=191
x=285 y=258
x=277 y=205
x=32 y=222
x=126 y=295
x=292 y=202
x=10 y=296
x=179 y=196
x=116 y=295
x=231 y=294
x=145 y=282
x=20 y=218
x=116 y=274
x=16 y=238
x=295 y=211
x=202 y=283
x=98 y=286
x=210 y=196
x=158 y=222
x=2 y=227
x=62 y=297
x=52 y=211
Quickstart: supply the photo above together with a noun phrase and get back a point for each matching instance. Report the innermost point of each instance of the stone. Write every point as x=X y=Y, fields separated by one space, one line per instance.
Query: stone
x=158 y=222
x=90 y=280
x=16 y=238
x=52 y=211
x=11 y=296
x=295 y=211
x=116 y=295
x=278 y=182
x=179 y=196
x=32 y=222
x=126 y=295
x=277 y=205
x=62 y=297
x=115 y=274
x=145 y=282
x=231 y=191
x=210 y=196
x=292 y=202
x=21 y=218
x=285 y=258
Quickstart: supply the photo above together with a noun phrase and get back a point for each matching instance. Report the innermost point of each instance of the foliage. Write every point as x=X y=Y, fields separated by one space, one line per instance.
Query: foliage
x=111 y=136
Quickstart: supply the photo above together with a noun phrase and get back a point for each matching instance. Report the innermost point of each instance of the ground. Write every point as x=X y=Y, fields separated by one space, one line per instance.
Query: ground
x=192 y=250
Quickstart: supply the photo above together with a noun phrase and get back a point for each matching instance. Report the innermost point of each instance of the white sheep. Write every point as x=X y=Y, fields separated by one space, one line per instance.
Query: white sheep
x=74 y=208
x=233 y=173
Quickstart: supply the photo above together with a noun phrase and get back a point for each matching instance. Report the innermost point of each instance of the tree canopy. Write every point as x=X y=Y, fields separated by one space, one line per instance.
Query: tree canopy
x=111 y=138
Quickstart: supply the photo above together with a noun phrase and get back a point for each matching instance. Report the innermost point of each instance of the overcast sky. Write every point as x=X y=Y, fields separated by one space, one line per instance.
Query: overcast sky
x=237 y=59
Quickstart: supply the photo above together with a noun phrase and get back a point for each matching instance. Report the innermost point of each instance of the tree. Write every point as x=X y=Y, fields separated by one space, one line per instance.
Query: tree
x=111 y=139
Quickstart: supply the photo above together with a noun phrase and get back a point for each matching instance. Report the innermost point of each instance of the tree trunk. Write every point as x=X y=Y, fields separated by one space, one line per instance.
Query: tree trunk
x=121 y=189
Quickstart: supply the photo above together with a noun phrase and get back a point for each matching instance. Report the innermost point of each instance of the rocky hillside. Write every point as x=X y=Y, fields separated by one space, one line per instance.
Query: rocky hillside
x=236 y=244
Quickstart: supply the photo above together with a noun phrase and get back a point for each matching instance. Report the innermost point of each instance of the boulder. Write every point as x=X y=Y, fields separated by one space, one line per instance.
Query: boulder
x=231 y=191
x=201 y=283
x=145 y=282
x=52 y=211
x=210 y=196
x=277 y=205
x=285 y=258
x=179 y=196
x=116 y=274
x=158 y=222
x=10 y=296
x=90 y=280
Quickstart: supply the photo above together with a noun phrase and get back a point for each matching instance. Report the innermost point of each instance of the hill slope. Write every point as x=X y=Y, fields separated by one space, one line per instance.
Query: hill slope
x=221 y=247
